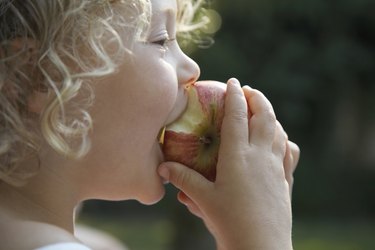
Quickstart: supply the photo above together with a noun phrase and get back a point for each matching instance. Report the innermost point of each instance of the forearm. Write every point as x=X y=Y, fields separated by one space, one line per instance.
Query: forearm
x=262 y=232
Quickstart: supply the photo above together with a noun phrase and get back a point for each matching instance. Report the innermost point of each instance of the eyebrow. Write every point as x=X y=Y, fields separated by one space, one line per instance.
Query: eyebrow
x=168 y=13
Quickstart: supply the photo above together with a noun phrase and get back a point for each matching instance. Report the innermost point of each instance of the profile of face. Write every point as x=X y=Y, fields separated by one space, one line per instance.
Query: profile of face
x=130 y=108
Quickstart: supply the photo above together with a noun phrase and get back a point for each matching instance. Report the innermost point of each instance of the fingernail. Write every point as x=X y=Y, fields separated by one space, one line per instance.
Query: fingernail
x=164 y=174
x=247 y=87
x=234 y=81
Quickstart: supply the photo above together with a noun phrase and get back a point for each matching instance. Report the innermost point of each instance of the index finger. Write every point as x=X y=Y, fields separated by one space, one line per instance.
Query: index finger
x=235 y=122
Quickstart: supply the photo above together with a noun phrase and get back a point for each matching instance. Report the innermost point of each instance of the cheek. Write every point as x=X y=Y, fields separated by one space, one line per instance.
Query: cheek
x=164 y=100
x=160 y=92
x=157 y=80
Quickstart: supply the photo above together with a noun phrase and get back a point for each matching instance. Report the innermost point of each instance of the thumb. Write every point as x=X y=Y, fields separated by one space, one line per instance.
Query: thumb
x=189 y=181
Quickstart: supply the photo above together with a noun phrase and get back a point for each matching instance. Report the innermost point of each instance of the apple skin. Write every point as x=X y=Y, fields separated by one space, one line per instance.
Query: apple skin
x=194 y=138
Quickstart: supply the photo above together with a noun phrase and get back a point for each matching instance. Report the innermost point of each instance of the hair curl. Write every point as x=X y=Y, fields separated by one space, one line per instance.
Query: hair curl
x=56 y=48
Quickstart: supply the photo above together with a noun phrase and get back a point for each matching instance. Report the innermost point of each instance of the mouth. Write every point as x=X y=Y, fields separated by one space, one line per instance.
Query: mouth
x=175 y=114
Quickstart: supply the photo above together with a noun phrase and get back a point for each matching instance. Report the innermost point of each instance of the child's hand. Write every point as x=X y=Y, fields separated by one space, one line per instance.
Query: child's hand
x=248 y=206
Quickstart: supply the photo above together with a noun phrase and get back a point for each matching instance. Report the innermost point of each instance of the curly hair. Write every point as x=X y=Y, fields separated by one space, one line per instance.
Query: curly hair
x=56 y=48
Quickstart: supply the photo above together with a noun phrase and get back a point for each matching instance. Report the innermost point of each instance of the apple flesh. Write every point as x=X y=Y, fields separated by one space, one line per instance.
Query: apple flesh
x=194 y=138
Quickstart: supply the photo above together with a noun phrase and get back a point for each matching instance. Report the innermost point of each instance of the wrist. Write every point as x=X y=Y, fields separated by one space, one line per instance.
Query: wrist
x=257 y=241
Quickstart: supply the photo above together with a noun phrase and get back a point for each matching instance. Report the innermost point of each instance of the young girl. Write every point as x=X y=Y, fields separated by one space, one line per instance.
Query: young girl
x=86 y=86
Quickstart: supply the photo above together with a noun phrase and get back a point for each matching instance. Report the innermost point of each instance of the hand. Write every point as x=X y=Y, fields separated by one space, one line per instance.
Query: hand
x=290 y=163
x=248 y=206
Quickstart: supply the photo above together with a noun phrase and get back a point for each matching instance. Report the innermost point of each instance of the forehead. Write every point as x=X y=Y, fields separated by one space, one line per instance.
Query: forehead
x=160 y=6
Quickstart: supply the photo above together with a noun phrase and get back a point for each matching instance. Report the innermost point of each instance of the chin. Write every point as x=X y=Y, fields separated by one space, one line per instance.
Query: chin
x=152 y=197
x=151 y=188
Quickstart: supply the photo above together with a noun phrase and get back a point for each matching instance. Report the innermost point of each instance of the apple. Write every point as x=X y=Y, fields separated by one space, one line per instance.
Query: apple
x=194 y=138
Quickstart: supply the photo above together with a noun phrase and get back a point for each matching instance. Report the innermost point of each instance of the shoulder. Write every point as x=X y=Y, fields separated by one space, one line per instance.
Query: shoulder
x=65 y=246
x=98 y=239
x=32 y=235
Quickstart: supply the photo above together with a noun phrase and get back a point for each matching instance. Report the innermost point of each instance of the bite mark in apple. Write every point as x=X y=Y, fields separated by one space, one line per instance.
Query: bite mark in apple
x=194 y=138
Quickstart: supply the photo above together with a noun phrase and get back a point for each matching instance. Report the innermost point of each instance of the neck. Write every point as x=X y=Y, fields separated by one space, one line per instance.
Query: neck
x=45 y=198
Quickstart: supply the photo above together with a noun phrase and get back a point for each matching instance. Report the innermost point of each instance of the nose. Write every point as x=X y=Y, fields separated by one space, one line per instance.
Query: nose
x=188 y=70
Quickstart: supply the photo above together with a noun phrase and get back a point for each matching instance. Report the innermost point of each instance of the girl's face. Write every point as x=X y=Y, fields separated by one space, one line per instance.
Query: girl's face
x=131 y=106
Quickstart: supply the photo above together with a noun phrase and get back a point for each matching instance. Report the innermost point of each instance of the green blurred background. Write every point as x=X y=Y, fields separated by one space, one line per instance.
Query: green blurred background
x=315 y=61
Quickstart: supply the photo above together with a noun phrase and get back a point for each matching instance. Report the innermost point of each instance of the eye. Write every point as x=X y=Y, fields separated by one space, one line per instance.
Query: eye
x=162 y=42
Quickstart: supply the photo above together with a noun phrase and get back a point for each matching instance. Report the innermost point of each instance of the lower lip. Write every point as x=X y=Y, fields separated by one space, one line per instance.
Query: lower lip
x=160 y=155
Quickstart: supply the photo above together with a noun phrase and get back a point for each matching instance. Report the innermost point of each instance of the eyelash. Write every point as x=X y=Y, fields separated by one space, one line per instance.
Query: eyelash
x=163 y=42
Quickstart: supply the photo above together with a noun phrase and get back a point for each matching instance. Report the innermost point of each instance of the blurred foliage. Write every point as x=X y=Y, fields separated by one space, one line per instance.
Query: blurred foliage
x=333 y=235
x=315 y=61
x=158 y=233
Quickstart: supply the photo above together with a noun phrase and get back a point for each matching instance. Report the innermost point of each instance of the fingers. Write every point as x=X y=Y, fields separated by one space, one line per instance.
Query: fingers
x=295 y=153
x=263 y=119
x=193 y=184
x=190 y=204
x=280 y=141
x=240 y=104
x=291 y=158
x=290 y=162
x=235 y=122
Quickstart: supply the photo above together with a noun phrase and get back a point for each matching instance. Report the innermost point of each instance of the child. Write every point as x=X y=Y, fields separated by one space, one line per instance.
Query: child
x=86 y=87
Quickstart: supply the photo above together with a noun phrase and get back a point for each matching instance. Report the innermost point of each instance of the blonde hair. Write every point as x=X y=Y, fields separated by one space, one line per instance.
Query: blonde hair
x=56 y=48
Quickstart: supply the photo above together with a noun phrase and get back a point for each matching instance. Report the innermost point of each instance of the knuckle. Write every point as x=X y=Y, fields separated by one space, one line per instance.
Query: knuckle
x=239 y=116
x=280 y=129
x=277 y=166
x=270 y=116
x=283 y=149
x=236 y=108
x=284 y=137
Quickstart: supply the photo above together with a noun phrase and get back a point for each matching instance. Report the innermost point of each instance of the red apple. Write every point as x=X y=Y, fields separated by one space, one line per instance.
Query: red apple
x=194 y=138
